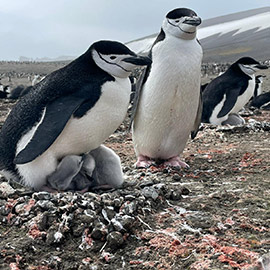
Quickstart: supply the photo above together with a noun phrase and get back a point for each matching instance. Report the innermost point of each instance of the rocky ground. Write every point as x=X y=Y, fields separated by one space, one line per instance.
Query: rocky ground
x=213 y=216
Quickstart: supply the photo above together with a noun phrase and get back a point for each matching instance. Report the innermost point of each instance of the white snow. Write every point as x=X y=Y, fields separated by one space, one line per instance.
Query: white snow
x=258 y=22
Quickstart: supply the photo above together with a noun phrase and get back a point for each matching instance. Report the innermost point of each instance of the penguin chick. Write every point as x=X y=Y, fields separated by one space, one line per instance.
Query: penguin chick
x=99 y=169
x=234 y=119
x=65 y=172
x=108 y=171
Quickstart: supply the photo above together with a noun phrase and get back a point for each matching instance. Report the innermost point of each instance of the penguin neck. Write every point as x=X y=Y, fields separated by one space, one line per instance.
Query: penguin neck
x=87 y=64
x=241 y=71
x=248 y=72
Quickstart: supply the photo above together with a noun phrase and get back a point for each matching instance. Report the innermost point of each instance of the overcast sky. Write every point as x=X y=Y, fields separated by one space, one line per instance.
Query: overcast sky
x=52 y=28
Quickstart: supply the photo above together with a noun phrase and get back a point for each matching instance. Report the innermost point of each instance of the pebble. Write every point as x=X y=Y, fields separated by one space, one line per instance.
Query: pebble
x=150 y=192
x=42 y=196
x=176 y=177
x=100 y=230
x=114 y=240
x=6 y=190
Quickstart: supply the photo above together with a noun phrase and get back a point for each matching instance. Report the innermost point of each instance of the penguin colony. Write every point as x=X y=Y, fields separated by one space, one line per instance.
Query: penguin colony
x=52 y=139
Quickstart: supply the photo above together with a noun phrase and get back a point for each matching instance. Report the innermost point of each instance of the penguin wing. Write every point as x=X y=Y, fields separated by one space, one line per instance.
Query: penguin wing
x=56 y=115
x=231 y=97
x=139 y=86
x=198 y=118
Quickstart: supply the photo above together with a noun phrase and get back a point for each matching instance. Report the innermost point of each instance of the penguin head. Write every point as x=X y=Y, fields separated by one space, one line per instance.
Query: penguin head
x=7 y=89
x=116 y=59
x=259 y=79
x=249 y=65
x=181 y=23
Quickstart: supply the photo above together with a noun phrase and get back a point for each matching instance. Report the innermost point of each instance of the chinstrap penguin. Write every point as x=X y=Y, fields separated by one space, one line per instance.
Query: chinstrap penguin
x=258 y=85
x=167 y=100
x=230 y=92
x=4 y=91
x=98 y=169
x=70 y=112
x=261 y=102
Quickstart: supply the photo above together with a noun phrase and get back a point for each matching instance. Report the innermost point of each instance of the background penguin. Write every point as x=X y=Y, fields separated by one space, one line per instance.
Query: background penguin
x=261 y=102
x=70 y=112
x=19 y=91
x=99 y=169
x=4 y=93
x=167 y=108
x=258 y=85
x=230 y=92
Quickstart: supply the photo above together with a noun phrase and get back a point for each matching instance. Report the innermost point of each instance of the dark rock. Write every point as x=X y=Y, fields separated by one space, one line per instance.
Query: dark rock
x=114 y=240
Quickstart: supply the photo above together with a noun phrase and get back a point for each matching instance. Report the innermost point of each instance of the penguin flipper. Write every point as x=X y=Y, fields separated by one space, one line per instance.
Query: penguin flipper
x=139 y=86
x=198 y=118
x=231 y=97
x=55 y=118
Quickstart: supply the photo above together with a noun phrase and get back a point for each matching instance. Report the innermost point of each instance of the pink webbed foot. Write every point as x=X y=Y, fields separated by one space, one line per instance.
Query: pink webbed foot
x=176 y=162
x=143 y=162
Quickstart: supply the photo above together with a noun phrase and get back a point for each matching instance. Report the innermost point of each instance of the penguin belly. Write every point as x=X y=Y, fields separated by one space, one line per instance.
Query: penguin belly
x=81 y=135
x=243 y=99
x=168 y=104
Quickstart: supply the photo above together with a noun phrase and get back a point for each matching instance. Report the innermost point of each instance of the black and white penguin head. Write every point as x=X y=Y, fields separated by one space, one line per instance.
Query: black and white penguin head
x=259 y=79
x=116 y=59
x=181 y=23
x=7 y=89
x=249 y=65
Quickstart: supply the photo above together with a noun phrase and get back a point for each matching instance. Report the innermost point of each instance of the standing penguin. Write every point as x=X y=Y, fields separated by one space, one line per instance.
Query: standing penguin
x=71 y=112
x=230 y=92
x=168 y=107
x=258 y=85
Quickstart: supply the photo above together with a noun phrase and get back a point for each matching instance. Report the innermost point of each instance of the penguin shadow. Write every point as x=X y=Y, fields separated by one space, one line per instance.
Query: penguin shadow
x=98 y=170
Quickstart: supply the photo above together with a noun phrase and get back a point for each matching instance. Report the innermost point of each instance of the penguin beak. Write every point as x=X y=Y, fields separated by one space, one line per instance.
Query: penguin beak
x=138 y=60
x=261 y=66
x=195 y=21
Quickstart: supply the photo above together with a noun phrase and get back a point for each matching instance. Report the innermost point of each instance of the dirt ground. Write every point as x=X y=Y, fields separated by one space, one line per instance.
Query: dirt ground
x=213 y=216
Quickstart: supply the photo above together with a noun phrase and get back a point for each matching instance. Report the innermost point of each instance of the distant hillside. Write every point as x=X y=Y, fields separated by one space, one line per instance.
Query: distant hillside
x=227 y=38
x=46 y=59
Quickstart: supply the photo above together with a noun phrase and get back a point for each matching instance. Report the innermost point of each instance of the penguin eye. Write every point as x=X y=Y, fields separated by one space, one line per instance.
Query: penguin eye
x=177 y=21
x=112 y=57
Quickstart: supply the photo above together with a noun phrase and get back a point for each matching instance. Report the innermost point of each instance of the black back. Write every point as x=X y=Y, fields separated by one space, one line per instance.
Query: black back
x=261 y=100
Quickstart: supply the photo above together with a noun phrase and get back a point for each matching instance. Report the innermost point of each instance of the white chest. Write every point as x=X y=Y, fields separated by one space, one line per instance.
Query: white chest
x=169 y=100
x=243 y=99
x=88 y=132
x=80 y=135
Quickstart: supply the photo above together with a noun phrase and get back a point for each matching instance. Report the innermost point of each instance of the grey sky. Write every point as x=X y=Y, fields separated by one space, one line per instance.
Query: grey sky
x=53 y=28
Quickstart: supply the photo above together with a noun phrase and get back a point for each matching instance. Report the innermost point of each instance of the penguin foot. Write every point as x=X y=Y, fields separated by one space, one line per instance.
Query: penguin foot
x=143 y=162
x=176 y=162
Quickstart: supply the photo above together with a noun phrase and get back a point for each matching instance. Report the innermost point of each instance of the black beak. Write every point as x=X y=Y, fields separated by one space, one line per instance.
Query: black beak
x=261 y=66
x=138 y=60
x=195 y=21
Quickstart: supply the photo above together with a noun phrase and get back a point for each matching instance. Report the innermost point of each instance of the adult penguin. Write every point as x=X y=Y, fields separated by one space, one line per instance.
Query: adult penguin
x=71 y=112
x=168 y=105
